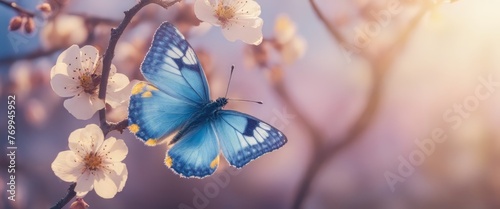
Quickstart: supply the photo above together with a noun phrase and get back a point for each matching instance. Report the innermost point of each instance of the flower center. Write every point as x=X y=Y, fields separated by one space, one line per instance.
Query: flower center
x=89 y=82
x=224 y=13
x=93 y=161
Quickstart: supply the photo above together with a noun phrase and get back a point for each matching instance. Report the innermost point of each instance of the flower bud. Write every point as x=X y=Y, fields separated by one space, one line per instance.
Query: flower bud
x=79 y=204
x=275 y=74
x=15 y=23
x=44 y=7
x=29 y=26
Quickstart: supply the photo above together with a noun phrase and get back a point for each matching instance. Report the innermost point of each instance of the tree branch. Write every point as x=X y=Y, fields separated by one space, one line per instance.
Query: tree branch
x=120 y=126
x=65 y=200
x=110 y=52
x=333 y=31
x=91 y=23
x=367 y=115
x=21 y=11
x=336 y=34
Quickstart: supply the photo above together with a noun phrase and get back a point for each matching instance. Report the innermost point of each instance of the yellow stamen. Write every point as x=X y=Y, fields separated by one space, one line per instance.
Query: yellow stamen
x=224 y=13
x=93 y=161
x=88 y=82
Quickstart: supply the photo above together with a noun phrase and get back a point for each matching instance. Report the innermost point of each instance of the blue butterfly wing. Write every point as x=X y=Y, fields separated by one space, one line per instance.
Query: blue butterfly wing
x=196 y=154
x=178 y=87
x=172 y=65
x=154 y=115
x=244 y=138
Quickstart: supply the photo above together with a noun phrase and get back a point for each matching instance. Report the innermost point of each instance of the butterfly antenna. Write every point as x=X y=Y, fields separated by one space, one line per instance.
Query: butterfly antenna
x=227 y=90
x=245 y=100
x=230 y=78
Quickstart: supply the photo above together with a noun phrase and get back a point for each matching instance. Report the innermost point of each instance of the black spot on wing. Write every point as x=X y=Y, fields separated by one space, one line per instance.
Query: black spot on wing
x=250 y=127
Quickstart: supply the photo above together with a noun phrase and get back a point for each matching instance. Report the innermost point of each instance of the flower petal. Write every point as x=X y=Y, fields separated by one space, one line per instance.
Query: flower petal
x=247 y=9
x=92 y=137
x=85 y=183
x=64 y=86
x=117 y=82
x=75 y=143
x=59 y=68
x=293 y=50
x=105 y=186
x=116 y=150
x=81 y=194
x=83 y=106
x=112 y=70
x=106 y=145
x=244 y=30
x=205 y=12
x=284 y=29
x=66 y=166
x=89 y=56
x=120 y=175
x=71 y=57
x=85 y=140
x=117 y=98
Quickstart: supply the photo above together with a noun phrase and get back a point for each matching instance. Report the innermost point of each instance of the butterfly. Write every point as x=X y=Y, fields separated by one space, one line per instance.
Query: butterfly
x=175 y=104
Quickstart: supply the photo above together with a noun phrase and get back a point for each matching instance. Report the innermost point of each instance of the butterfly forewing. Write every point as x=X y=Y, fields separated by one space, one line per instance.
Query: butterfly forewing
x=172 y=66
x=177 y=90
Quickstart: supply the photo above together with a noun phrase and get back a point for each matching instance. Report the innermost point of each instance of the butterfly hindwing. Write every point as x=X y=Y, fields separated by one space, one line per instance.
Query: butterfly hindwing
x=244 y=138
x=172 y=66
x=196 y=154
x=154 y=114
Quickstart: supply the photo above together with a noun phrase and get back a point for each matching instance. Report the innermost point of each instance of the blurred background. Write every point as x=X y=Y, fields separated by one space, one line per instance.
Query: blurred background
x=353 y=85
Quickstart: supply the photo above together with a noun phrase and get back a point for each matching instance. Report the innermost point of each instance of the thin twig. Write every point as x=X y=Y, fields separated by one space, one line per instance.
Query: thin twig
x=336 y=34
x=364 y=120
x=120 y=126
x=333 y=31
x=279 y=87
x=65 y=200
x=110 y=51
x=91 y=23
x=21 y=11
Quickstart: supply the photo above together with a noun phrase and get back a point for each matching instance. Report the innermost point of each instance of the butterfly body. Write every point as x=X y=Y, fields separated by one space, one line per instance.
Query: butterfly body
x=206 y=114
x=176 y=101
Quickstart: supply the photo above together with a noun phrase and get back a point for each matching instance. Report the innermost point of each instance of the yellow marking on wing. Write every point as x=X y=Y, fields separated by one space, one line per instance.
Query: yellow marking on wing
x=138 y=88
x=214 y=162
x=147 y=94
x=152 y=88
x=151 y=142
x=168 y=161
x=134 y=128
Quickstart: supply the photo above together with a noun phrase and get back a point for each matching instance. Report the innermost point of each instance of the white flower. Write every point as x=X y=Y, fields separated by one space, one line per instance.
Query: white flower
x=239 y=19
x=77 y=74
x=293 y=49
x=93 y=163
x=289 y=43
x=284 y=29
x=66 y=29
